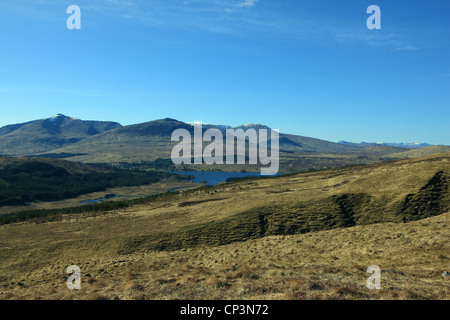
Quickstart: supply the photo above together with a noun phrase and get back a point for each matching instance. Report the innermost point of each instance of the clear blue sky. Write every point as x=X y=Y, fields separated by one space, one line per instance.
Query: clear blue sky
x=308 y=67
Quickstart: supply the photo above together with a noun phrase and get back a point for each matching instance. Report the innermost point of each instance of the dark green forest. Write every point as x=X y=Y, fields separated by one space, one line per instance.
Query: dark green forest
x=40 y=181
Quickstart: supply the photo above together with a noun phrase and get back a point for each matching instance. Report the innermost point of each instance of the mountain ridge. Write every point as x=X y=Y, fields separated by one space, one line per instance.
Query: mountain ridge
x=44 y=135
x=109 y=142
x=408 y=145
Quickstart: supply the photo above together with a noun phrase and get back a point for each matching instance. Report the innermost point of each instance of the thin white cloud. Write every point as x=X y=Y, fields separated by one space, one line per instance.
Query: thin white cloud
x=406 y=48
x=247 y=3
x=221 y=17
x=393 y=41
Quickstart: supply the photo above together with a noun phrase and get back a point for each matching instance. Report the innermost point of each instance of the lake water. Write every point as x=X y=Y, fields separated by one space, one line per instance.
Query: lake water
x=214 y=178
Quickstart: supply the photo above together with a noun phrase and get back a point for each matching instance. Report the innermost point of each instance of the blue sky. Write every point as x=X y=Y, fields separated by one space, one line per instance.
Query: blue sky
x=308 y=67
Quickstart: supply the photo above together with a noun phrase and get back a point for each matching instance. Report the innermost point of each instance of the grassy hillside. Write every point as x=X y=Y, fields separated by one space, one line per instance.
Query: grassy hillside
x=321 y=265
x=382 y=151
x=304 y=236
x=427 y=151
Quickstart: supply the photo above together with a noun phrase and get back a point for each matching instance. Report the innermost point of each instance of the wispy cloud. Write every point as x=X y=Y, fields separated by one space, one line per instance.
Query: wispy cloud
x=391 y=40
x=406 y=48
x=247 y=3
x=226 y=17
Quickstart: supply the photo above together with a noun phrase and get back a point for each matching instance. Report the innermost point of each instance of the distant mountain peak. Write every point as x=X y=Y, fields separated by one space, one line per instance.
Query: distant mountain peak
x=406 y=145
x=170 y=120
x=43 y=135
x=255 y=126
x=251 y=125
x=61 y=116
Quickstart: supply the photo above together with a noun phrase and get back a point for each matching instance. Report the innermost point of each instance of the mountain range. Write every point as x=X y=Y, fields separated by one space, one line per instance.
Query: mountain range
x=109 y=142
x=409 y=145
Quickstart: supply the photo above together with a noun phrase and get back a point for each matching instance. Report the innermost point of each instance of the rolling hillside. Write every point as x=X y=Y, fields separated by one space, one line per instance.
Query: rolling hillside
x=302 y=236
x=426 y=151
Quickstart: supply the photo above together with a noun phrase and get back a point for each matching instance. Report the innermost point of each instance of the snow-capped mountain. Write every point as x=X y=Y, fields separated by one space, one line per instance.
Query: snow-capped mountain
x=408 y=145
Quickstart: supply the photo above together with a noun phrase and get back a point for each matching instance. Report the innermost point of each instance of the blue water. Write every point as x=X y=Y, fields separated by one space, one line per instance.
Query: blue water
x=214 y=178
x=211 y=178
x=94 y=201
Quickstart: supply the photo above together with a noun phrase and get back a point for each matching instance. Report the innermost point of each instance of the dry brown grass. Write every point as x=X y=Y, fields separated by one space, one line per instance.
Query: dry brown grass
x=277 y=267
x=325 y=264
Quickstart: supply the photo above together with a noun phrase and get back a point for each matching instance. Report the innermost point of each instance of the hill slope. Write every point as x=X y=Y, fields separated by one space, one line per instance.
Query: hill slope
x=309 y=235
x=422 y=152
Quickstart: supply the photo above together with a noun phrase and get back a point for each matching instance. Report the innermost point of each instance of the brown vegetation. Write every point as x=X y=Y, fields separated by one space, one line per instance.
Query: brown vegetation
x=245 y=240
